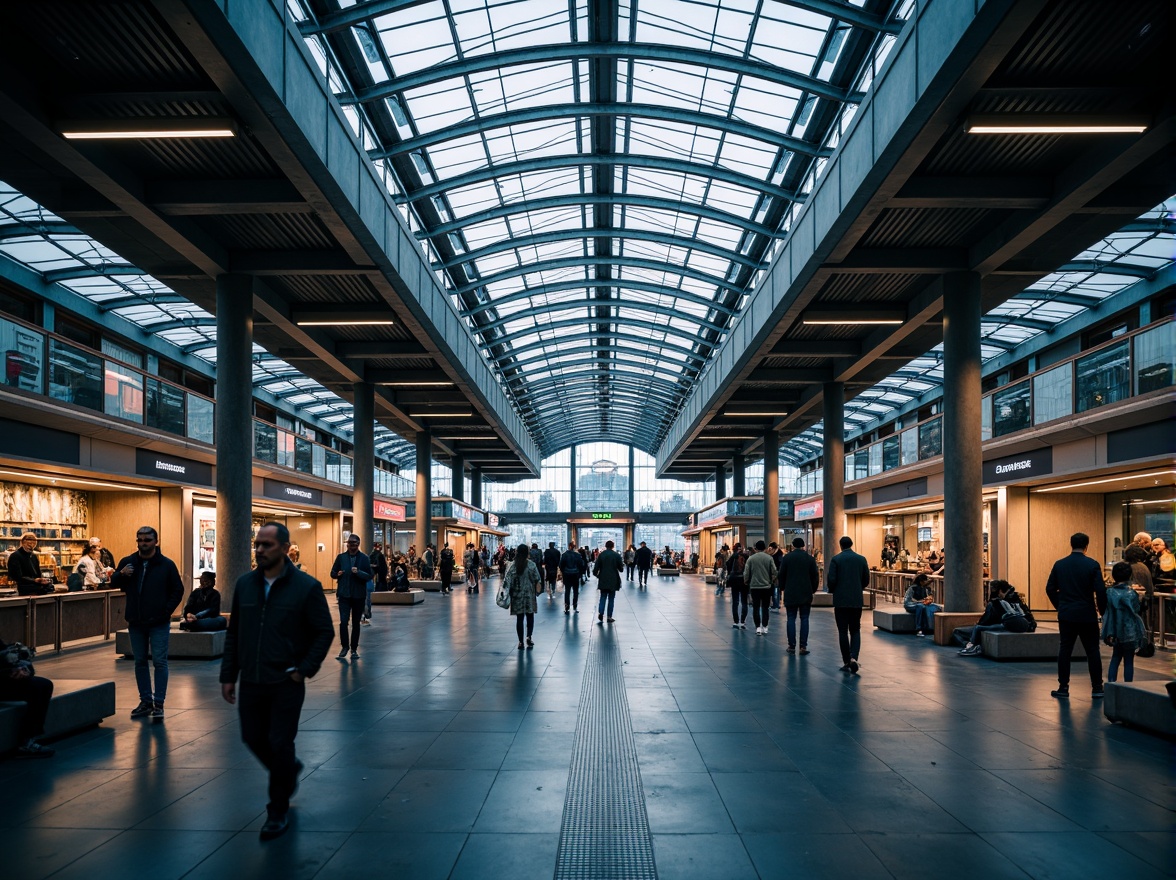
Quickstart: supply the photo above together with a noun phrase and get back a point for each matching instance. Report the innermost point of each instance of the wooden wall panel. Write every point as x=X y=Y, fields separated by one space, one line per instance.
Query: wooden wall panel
x=1053 y=517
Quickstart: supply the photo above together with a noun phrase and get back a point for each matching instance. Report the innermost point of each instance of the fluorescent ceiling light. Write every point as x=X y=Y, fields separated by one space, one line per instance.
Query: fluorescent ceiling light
x=852 y=317
x=149 y=129
x=742 y=413
x=78 y=482
x=339 y=322
x=1122 y=478
x=412 y=384
x=442 y=414
x=1013 y=123
x=337 y=316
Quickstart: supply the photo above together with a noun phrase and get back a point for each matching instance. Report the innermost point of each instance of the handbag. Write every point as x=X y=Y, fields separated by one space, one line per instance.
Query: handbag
x=502 y=600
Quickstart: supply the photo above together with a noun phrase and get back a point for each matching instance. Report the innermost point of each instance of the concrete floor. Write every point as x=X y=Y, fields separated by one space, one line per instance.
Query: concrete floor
x=443 y=752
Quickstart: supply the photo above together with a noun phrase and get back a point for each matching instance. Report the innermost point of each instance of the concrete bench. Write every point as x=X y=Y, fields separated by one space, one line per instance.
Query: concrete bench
x=180 y=645
x=388 y=597
x=75 y=706
x=1143 y=704
x=947 y=621
x=822 y=599
x=894 y=618
x=1025 y=646
x=433 y=586
x=711 y=579
x=667 y=572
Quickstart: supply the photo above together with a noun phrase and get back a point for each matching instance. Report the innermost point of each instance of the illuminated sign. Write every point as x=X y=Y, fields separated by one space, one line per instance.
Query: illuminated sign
x=602 y=516
x=385 y=510
x=809 y=510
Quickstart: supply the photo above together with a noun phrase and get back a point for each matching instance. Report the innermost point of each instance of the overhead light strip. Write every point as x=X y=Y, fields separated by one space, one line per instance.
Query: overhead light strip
x=1012 y=123
x=149 y=129
x=1119 y=479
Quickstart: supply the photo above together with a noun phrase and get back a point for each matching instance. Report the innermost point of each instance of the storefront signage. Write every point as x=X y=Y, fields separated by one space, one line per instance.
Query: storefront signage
x=809 y=510
x=1019 y=467
x=602 y=516
x=169 y=467
x=492 y=520
x=290 y=492
x=385 y=510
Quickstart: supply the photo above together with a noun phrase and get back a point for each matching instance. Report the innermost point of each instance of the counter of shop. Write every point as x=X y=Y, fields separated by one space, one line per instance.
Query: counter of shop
x=56 y=620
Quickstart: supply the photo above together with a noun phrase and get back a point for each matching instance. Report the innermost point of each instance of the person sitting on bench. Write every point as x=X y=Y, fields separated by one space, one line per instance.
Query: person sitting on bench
x=1004 y=613
x=19 y=683
x=202 y=613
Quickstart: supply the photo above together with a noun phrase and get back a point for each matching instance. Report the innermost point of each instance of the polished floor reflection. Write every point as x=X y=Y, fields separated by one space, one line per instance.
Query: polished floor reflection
x=443 y=752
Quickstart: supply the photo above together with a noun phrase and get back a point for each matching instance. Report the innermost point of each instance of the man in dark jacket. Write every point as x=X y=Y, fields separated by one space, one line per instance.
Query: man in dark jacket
x=644 y=564
x=799 y=579
x=352 y=570
x=154 y=590
x=379 y=563
x=1075 y=587
x=551 y=559
x=24 y=568
x=849 y=575
x=202 y=610
x=607 y=568
x=571 y=565
x=274 y=660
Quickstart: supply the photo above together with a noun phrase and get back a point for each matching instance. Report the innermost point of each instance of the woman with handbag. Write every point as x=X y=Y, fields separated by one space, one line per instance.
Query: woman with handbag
x=919 y=600
x=520 y=587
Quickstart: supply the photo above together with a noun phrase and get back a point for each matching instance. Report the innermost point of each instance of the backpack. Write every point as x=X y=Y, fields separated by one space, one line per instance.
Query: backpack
x=75 y=582
x=1016 y=619
x=738 y=563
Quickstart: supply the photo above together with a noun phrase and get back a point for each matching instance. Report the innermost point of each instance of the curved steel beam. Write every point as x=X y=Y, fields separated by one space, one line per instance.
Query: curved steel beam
x=583 y=200
x=1106 y=267
x=582 y=160
x=548 y=112
x=619 y=320
x=573 y=338
x=635 y=382
x=579 y=322
x=618 y=356
x=678 y=241
x=39 y=229
x=545 y=54
x=55 y=275
x=191 y=323
x=146 y=299
x=592 y=283
x=584 y=364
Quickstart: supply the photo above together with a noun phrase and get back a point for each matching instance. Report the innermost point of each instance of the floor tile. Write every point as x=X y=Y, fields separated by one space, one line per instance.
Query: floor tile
x=688 y=856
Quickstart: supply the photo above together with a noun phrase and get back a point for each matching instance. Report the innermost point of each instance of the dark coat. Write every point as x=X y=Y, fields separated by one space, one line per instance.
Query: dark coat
x=607 y=569
x=379 y=564
x=644 y=558
x=799 y=577
x=849 y=575
x=571 y=564
x=267 y=637
x=154 y=591
x=551 y=557
x=203 y=603
x=1075 y=587
x=351 y=586
x=24 y=569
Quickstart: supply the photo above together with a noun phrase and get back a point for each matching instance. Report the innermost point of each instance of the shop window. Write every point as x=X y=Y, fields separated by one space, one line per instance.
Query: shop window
x=1010 y=409
x=333 y=462
x=319 y=461
x=75 y=376
x=303 y=455
x=861 y=464
x=1155 y=358
x=345 y=470
x=1103 y=377
x=910 y=445
x=124 y=392
x=1108 y=330
x=890 y=453
x=265 y=442
x=165 y=407
x=123 y=353
x=986 y=417
x=285 y=447
x=24 y=355
x=201 y=418
x=1053 y=394
x=930 y=439
x=875 y=459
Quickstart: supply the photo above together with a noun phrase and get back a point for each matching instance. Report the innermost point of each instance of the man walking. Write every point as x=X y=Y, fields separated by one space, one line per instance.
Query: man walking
x=279 y=634
x=352 y=570
x=849 y=575
x=736 y=580
x=777 y=557
x=551 y=560
x=154 y=590
x=571 y=565
x=1075 y=587
x=799 y=579
x=644 y=558
x=607 y=568
x=760 y=573
x=379 y=581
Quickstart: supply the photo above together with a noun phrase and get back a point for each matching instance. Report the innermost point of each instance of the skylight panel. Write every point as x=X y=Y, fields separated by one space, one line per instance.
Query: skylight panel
x=765 y=104
x=436 y=108
x=750 y=157
x=663 y=184
x=416 y=45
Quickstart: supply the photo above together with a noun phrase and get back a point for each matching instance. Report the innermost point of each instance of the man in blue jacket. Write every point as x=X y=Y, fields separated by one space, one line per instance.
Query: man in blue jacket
x=1075 y=587
x=279 y=634
x=352 y=570
x=849 y=575
x=154 y=590
x=571 y=565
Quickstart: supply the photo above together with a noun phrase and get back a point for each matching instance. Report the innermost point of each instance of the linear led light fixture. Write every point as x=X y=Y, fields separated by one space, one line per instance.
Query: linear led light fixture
x=337 y=317
x=738 y=414
x=1016 y=123
x=78 y=482
x=443 y=414
x=409 y=383
x=149 y=129
x=1119 y=479
x=853 y=317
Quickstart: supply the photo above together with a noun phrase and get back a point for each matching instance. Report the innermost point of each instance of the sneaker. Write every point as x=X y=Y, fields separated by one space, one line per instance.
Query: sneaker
x=967 y=649
x=566 y=610
x=612 y=620
x=355 y=655
x=919 y=633
x=1097 y=693
x=854 y=666
x=791 y=649
x=974 y=651
x=803 y=649
x=845 y=668
x=33 y=749
x=1062 y=693
x=144 y=709
x=742 y=625
x=575 y=610
x=363 y=621
x=342 y=655
x=157 y=712
x=759 y=630
x=735 y=626
x=600 y=618
x=765 y=630
x=275 y=826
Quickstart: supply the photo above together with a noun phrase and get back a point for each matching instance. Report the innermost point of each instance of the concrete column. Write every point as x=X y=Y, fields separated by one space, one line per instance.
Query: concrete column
x=720 y=482
x=457 y=463
x=962 y=478
x=476 y=487
x=738 y=487
x=363 y=438
x=771 y=486
x=424 y=491
x=234 y=430
x=833 y=488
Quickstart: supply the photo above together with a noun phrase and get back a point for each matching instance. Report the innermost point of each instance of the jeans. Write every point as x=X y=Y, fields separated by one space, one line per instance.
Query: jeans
x=610 y=596
x=792 y=611
x=151 y=639
x=519 y=625
x=739 y=597
x=776 y=597
x=1124 y=652
x=446 y=579
x=643 y=575
x=849 y=632
x=36 y=692
x=974 y=638
x=205 y=624
x=269 y=722
x=924 y=615
x=571 y=591
x=350 y=609
x=761 y=600
x=1071 y=632
x=367 y=605
x=629 y=566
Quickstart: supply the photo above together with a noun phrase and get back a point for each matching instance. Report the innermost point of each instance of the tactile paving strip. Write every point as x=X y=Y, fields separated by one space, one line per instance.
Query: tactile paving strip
x=605 y=832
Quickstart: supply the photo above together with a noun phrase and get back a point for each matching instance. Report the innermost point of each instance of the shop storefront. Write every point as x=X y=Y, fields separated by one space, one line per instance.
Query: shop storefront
x=739 y=520
x=388 y=526
x=456 y=524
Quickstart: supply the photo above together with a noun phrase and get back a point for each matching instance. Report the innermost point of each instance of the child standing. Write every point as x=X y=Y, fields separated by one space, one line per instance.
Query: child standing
x=1122 y=627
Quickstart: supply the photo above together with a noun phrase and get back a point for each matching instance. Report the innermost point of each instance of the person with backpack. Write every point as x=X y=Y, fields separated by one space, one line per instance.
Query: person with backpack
x=571 y=566
x=428 y=560
x=1004 y=613
x=448 y=563
x=739 y=592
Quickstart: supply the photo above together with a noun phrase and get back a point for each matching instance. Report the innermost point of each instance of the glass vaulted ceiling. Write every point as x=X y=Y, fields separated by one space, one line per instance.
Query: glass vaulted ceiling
x=600 y=184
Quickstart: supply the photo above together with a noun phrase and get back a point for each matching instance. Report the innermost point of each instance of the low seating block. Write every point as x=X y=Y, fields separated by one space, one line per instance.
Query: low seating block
x=1040 y=645
x=76 y=705
x=947 y=621
x=1144 y=704
x=432 y=586
x=387 y=597
x=667 y=572
x=711 y=579
x=181 y=645
x=894 y=618
x=822 y=600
